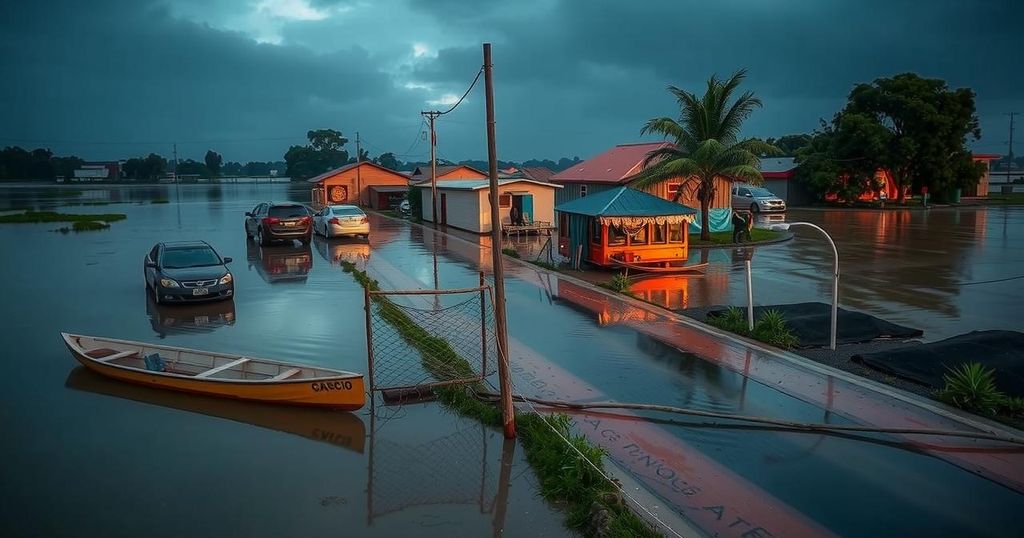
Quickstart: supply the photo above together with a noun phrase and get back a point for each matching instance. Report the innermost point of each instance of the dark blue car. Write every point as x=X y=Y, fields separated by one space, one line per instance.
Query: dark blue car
x=187 y=271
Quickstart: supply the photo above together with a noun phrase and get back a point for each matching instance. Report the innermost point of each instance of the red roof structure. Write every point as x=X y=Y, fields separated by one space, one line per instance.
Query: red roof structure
x=614 y=166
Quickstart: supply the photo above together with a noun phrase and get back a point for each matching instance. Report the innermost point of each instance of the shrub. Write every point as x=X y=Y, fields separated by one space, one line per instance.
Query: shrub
x=510 y=252
x=733 y=320
x=619 y=282
x=971 y=386
x=772 y=328
x=89 y=225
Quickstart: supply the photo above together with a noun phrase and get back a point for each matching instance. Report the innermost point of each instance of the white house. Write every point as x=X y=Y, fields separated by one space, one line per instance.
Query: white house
x=464 y=204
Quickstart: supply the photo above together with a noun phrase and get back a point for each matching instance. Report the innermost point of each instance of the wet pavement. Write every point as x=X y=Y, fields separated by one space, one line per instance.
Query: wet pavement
x=81 y=449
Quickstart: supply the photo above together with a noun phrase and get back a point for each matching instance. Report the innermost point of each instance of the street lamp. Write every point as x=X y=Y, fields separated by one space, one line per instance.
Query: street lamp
x=835 y=272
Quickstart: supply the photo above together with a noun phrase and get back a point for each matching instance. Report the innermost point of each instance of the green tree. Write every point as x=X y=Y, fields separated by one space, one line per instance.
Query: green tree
x=213 y=162
x=323 y=153
x=927 y=125
x=388 y=160
x=190 y=167
x=789 y=144
x=706 y=142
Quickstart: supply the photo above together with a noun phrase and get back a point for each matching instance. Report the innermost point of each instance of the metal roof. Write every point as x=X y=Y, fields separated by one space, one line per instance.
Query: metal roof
x=477 y=184
x=613 y=166
x=777 y=164
x=623 y=202
x=350 y=166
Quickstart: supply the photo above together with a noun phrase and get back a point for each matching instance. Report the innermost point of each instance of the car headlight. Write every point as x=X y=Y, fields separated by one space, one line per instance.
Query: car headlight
x=168 y=283
x=226 y=279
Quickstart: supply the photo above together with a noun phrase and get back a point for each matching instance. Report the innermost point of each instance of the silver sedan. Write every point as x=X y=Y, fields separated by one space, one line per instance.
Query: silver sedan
x=340 y=220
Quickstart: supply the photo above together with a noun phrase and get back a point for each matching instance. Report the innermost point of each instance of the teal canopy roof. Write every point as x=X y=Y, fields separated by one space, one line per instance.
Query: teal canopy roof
x=624 y=202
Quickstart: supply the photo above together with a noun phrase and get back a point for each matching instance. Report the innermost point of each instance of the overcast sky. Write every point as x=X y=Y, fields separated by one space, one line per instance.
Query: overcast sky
x=110 y=79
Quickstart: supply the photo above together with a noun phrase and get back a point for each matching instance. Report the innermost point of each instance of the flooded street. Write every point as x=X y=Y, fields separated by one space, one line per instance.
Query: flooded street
x=89 y=455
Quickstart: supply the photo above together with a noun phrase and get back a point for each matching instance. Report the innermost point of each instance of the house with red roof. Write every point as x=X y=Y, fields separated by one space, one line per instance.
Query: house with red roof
x=620 y=165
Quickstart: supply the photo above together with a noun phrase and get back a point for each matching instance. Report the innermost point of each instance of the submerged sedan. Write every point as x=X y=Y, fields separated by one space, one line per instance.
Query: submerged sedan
x=187 y=271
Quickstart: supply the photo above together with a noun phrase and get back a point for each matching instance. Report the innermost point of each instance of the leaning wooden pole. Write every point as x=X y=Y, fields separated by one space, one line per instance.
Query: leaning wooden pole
x=500 y=327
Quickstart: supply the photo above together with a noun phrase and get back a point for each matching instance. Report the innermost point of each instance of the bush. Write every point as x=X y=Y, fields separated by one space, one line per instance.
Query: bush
x=510 y=252
x=971 y=386
x=89 y=225
x=416 y=202
x=733 y=320
x=771 y=328
x=619 y=282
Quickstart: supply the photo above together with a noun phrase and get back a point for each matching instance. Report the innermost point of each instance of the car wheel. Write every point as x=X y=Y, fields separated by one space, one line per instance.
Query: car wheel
x=754 y=208
x=262 y=239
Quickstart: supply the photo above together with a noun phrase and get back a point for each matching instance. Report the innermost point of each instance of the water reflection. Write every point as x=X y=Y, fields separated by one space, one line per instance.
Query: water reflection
x=344 y=430
x=189 y=318
x=280 y=263
x=335 y=251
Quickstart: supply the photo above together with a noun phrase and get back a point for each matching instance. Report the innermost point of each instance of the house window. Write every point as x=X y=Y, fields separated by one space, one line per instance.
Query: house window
x=675 y=232
x=659 y=234
x=583 y=191
x=505 y=200
x=616 y=236
x=673 y=189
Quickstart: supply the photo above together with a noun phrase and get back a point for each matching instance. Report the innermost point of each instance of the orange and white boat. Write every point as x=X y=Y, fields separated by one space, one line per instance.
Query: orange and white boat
x=218 y=374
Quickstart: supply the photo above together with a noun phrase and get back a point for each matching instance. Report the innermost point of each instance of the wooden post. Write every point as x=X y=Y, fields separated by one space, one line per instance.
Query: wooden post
x=508 y=416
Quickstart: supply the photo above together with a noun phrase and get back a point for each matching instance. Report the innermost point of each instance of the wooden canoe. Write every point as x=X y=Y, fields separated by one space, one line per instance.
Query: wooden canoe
x=218 y=374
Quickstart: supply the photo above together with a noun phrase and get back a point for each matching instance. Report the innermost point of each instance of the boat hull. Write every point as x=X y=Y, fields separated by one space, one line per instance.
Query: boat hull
x=345 y=392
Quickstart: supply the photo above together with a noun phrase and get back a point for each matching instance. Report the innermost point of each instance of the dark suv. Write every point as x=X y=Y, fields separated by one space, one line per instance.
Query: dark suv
x=270 y=221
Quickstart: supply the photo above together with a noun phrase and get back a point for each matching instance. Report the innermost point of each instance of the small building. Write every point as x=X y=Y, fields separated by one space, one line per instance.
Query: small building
x=465 y=204
x=620 y=165
x=779 y=175
x=446 y=172
x=365 y=184
x=97 y=171
x=624 y=224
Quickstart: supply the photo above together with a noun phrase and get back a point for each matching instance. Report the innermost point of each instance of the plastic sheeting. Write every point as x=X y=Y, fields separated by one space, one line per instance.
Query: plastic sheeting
x=1003 y=351
x=719 y=220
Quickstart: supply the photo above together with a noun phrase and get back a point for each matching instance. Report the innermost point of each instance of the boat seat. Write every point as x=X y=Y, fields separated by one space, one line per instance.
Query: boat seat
x=115 y=356
x=285 y=374
x=155 y=363
x=222 y=367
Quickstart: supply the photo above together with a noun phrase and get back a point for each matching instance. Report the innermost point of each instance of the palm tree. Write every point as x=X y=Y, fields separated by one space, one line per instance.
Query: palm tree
x=706 y=143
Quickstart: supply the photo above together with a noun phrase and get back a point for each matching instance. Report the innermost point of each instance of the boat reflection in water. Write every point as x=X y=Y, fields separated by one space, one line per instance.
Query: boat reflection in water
x=290 y=262
x=189 y=318
x=335 y=251
x=337 y=428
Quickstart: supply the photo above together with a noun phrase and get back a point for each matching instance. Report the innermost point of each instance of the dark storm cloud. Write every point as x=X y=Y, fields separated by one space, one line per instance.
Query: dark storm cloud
x=573 y=76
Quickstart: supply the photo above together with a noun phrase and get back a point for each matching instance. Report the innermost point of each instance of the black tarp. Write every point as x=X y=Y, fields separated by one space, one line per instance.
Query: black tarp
x=1002 y=351
x=812 y=323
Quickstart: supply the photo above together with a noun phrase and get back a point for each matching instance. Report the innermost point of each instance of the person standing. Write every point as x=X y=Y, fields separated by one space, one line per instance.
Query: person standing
x=513 y=216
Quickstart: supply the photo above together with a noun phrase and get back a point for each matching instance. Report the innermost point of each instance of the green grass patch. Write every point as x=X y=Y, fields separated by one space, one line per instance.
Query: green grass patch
x=52 y=216
x=1016 y=198
x=510 y=252
x=160 y=201
x=593 y=505
x=972 y=386
x=89 y=225
x=770 y=328
x=757 y=235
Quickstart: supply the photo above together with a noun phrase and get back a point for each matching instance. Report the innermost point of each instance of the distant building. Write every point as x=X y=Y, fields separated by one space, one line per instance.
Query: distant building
x=465 y=203
x=97 y=171
x=364 y=184
x=459 y=171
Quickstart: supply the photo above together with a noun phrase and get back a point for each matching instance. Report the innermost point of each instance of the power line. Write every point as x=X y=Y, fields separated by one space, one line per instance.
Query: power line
x=459 y=102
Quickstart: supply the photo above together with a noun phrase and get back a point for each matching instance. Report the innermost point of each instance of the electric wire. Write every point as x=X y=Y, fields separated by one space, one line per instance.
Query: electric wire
x=459 y=102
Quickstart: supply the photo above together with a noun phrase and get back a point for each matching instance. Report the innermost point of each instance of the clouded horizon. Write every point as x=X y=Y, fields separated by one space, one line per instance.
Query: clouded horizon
x=112 y=79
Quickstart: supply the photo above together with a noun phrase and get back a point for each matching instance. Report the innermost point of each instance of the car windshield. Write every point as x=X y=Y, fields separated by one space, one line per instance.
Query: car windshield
x=762 y=193
x=346 y=211
x=287 y=211
x=178 y=258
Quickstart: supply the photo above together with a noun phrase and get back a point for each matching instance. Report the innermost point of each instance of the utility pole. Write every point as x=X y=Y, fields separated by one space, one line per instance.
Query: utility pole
x=1009 y=161
x=359 y=178
x=174 y=171
x=431 y=116
x=508 y=416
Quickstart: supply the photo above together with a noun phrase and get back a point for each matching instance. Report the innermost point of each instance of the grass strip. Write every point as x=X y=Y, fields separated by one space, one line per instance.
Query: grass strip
x=593 y=506
x=757 y=235
x=89 y=225
x=52 y=216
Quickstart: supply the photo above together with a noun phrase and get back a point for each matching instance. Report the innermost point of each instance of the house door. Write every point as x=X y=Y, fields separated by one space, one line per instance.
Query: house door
x=527 y=208
x=444 y=209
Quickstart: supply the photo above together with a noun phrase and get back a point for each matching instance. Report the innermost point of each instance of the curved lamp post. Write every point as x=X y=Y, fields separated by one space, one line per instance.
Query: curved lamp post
x=835 y=272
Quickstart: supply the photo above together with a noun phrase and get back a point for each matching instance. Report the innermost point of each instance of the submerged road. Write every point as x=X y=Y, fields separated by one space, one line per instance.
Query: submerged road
x=571 y=341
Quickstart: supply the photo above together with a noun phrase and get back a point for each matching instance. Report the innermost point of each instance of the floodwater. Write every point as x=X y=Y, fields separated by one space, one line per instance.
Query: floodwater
x=90 y=455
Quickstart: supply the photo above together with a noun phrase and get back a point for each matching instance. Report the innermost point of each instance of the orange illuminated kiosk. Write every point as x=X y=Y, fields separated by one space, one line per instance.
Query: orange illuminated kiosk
x=624 y=227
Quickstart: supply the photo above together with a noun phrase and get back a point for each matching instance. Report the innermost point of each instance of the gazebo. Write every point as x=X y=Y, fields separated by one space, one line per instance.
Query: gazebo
x=625 y=227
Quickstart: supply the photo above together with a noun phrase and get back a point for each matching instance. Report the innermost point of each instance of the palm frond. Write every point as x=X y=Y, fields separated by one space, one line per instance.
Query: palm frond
x=682 y=169
x=666 y=127
x=747 y=173
x=663 y=154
